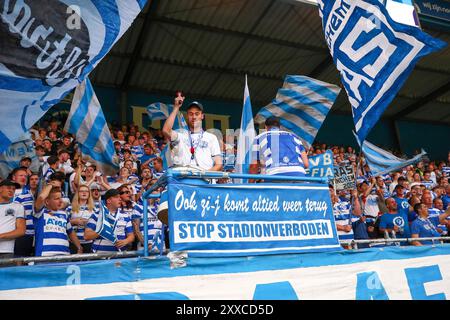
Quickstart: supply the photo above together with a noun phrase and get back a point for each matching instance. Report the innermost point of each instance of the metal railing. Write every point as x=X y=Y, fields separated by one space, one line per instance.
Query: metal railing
x=397 y=241
x=134 y=254
x=71 y=257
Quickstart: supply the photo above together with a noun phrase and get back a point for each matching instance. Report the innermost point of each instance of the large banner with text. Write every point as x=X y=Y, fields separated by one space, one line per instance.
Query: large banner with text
x=218 y=220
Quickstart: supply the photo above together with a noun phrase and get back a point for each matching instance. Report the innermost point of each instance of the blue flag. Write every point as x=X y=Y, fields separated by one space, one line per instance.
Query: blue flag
x=47 y=49
x=302 y=105
x=373 y=53
x=87 y=122
x=246 y=136
x=382 y=162
x=104 y=228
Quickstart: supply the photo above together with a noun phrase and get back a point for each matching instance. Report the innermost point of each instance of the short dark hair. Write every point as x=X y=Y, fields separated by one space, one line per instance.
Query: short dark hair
x=60 y=176
x=417 y=207
x=17 y=170
x=272 y=122
x=60 y=152
x=52 y=160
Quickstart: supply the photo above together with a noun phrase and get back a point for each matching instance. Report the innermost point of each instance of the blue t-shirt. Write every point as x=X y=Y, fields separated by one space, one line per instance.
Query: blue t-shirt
x=146 y=157
x=402 y=205
x=446 y=201
x=388 y=220
x=425 y=229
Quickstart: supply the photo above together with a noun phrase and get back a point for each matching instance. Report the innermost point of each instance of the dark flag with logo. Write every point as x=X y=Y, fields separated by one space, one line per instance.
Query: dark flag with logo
x=48 y=47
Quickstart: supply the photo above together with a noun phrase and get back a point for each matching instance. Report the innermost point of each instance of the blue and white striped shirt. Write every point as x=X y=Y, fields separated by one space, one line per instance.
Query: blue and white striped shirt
x=52 y=229
x=83 y=213
x=154 y=225
x=26 y=199
x=342 y=212
x=47 y=174
x=137 y=151
x=279 y=152
x=121 y=222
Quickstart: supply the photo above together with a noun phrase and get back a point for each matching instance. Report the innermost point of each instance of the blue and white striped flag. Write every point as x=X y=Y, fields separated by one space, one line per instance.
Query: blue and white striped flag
x=302 y=105
x=104 y=227
x=87 y=122
x=246 y=136
x=381 y=162
x=47 y=49
x=373 y=53
x=161 y=111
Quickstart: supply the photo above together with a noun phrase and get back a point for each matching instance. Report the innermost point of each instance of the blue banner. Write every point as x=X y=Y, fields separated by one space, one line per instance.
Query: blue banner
x=435 y=11
x=251 y=219
x=321 y=165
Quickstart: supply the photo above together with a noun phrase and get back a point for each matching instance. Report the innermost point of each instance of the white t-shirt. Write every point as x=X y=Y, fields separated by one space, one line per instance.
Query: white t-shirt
x=67 y=166
x=206 y=148
x=9 y=213
x=371 y=208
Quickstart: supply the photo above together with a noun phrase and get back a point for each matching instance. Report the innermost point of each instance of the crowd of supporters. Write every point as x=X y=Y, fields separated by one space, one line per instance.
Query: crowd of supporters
x=60 y=203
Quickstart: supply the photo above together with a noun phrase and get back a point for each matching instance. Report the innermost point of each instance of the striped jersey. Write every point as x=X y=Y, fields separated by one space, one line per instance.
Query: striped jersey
x=83 y=213
x=137 y=151
x=446 y=171
x=47 y=174
x=52 y=229
x=121 y=222
x=154 y=225
x=157 y=174
x=279 y=152
x=342 y=212
x=428 y=184
x=26 y=199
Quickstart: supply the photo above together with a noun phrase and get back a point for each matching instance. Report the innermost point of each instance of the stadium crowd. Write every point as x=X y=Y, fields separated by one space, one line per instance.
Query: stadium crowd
x=55 y=211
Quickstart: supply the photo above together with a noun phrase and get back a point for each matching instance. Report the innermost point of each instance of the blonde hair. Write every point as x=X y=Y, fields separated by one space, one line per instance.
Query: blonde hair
x=76 y=200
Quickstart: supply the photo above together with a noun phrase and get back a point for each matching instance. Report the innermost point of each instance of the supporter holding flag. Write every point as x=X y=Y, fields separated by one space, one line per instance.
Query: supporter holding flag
x=52 y=225
x=120 y=234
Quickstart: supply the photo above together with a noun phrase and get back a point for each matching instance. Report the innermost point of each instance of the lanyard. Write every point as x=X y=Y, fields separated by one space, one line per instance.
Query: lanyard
x=193 y=147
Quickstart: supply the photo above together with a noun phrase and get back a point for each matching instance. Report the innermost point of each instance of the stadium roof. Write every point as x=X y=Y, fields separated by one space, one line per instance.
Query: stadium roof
x=205 y=47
